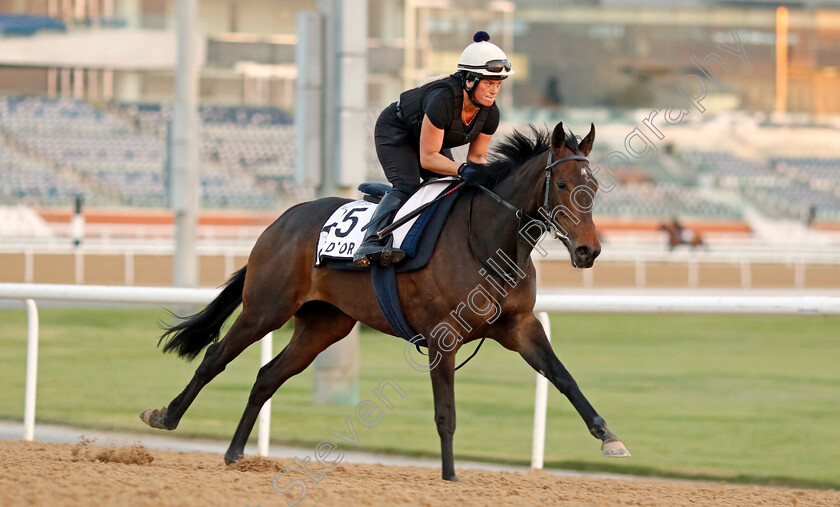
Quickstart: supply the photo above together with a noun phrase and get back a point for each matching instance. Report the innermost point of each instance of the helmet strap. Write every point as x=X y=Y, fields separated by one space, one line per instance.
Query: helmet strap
x=471 y=90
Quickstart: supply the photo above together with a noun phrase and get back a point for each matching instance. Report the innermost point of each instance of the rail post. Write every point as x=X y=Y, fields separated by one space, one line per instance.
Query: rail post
x=265 y=412
x=31 y=370
x=540 y=406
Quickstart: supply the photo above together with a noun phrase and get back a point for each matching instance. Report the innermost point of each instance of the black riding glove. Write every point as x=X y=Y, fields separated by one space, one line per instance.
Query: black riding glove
x=473 y=174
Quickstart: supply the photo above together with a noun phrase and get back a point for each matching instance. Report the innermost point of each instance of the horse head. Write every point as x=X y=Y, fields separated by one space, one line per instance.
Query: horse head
x=569 y=195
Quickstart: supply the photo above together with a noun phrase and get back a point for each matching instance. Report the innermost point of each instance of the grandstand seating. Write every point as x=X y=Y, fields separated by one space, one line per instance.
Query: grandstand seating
x=819 y=174
x=663 y=201
x=781 y=187
x=116 y=157
x=731 y=171
x=258 y=142
x=26 y=180
x=796 y=201
x=54 y=149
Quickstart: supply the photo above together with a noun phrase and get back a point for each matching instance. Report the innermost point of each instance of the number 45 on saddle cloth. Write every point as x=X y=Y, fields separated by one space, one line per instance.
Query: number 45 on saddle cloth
x=342 y=232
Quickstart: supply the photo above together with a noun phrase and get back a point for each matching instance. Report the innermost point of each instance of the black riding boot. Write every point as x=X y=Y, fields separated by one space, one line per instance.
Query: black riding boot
x=378 y=250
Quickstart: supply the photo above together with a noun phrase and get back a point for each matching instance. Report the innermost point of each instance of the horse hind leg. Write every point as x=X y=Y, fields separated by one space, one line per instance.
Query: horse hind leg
x=251 y=325
x=317 y=326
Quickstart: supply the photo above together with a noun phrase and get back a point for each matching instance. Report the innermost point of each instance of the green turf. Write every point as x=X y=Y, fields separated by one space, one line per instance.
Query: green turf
x=754 y=399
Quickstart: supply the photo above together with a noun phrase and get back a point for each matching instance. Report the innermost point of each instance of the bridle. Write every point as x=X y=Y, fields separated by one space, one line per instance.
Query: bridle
x=520 y=213
x=549 y=166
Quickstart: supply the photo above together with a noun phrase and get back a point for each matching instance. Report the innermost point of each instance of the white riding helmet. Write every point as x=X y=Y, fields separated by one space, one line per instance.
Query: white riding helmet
x=484 y=58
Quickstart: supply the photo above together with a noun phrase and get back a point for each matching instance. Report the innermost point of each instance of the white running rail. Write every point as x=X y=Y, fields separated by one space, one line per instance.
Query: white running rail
x=111 y=294
x=660 y=303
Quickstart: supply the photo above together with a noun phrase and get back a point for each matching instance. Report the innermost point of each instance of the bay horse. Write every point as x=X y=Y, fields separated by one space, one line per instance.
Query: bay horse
x=543 y=177
x=679 y=235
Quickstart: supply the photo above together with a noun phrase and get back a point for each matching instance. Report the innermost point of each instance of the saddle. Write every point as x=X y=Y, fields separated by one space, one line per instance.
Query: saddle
x=373 y=192
x=342 y=232
x=417 y=238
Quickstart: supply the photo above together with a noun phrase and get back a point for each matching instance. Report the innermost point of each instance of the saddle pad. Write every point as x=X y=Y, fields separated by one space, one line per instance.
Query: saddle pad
x=342 y=232
x=426 y=193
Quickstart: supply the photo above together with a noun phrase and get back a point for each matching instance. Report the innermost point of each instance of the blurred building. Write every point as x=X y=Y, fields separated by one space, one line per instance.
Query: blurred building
x=86 y=89
x=613 y=53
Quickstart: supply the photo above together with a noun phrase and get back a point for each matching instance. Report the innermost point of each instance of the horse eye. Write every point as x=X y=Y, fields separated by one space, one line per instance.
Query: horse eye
x=562 y=185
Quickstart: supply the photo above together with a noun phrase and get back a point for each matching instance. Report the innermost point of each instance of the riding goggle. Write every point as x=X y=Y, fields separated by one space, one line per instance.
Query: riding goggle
x=492 y=66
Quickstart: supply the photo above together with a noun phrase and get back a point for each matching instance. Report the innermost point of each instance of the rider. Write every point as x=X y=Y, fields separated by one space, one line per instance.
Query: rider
x=414 y=135
x=678 y=227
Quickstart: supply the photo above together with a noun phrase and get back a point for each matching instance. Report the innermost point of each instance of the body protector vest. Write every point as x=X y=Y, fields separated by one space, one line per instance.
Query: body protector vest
x=411 y=112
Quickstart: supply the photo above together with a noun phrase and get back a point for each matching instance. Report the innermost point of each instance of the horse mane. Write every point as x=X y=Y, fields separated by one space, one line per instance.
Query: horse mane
x=517 y=149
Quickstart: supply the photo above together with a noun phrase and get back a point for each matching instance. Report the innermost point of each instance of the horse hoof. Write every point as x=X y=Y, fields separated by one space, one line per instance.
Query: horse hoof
x=615 y=449
x=232 y=457
x=451 y=478
x=154 y=418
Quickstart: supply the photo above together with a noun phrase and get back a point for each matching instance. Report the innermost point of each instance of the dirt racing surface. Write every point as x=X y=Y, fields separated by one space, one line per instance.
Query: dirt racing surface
x=34 y=473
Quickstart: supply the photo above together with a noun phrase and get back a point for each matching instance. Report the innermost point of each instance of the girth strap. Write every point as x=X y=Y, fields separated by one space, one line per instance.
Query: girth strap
x=388 y=296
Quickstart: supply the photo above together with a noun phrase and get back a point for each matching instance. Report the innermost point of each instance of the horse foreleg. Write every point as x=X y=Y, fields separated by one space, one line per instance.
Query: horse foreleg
x=528 y=338
x=443 y=390
x=316 y=328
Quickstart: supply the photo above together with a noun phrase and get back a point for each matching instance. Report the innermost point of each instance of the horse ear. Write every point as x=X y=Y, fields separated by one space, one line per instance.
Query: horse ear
x=587 y=142
x=558 y=137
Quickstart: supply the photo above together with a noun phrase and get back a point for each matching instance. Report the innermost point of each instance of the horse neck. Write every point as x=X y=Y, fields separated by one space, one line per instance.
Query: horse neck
x=524 y=187
x=494 y=225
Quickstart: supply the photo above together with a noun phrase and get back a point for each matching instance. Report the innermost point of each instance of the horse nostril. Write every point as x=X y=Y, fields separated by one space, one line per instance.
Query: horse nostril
x=596 y=253
x=583 y=252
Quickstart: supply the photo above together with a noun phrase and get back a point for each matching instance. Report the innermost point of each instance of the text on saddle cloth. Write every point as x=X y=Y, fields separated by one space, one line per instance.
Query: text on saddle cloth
x=342 y=233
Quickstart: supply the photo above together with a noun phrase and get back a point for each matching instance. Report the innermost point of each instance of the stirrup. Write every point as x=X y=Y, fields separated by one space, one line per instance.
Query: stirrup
x=384 y=257
x=390 y=256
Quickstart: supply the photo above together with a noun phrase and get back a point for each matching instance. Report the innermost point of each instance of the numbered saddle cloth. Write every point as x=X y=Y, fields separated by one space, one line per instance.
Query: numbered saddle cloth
x=342 y=232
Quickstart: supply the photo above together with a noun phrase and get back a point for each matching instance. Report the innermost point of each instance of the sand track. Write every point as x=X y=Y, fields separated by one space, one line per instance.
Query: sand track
x=35 y=473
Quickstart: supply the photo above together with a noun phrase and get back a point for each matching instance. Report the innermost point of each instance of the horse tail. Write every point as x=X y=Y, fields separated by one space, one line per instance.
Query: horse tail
x=195 y=332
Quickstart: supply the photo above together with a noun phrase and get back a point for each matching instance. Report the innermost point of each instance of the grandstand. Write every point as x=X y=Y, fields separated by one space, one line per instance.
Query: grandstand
x=255 y=141
x=664 y=200
x=55 y=149
x=820 y=174
x=95 y=123
x=731 y=171
x=796 y=188
x=25 y=180
x=109 y=142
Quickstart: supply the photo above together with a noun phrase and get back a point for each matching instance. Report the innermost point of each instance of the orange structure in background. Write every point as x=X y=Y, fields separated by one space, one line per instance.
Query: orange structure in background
x=781 y=59
x=143 y=217
x=136 y=216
